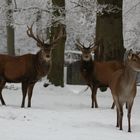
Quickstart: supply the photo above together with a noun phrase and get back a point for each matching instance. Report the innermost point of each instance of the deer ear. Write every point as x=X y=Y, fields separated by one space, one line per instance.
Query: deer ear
x=79 y=47
x=138 y=54
x=39 y=45
x=93 y=49
x=130 y=54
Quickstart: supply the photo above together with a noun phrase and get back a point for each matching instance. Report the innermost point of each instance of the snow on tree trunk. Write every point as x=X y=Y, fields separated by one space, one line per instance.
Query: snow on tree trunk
x=56 y=75
x=10 y=30
x=109 y=31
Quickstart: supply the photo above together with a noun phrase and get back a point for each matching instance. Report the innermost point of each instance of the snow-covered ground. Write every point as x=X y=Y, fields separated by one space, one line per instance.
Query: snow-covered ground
x=63 y=114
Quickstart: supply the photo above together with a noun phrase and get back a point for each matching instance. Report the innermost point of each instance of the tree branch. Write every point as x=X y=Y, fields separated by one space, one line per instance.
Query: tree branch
x=131 y=8
x=30 y=8
x=79 y=5
x=15 y=4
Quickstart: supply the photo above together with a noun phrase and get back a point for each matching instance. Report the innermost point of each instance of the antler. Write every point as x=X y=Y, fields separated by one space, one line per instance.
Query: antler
x=79 y=44
x=93 y=44
x=31 y=34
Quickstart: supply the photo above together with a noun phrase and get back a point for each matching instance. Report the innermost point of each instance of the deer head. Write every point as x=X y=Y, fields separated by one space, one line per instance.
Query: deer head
x=46 y=48
x=133 y=60
x=86 y=51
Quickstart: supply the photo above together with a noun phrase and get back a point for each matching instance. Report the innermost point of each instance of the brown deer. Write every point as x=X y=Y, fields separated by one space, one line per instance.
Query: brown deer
x=123 y=87
x=27 y=69
x=96 y=74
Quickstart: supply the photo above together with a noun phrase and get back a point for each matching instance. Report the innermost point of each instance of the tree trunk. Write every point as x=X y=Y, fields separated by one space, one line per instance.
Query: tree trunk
x=39 y=23
x=10 y=31
x=56 y=75
x=10 y=40
x=109 y=33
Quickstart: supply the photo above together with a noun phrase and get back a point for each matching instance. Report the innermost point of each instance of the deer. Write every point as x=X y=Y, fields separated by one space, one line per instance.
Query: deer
x=27 y=69
x=123 y=86
x=96 y=74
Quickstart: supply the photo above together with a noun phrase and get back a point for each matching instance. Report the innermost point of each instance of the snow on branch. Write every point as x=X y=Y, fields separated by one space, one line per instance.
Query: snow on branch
x=15 y=3
x=25 y=12
x=103 y=9
x=132 y=8
x=30 y=8
x=77 y=4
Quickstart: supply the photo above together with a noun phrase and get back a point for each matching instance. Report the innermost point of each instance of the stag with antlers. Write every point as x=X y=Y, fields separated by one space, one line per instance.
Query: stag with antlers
x=96 y=74
x=27 y=69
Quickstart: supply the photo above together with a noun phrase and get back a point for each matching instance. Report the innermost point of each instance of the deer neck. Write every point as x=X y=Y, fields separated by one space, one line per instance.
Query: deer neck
x=42 y=66
x=87 y=65
x=129 y=75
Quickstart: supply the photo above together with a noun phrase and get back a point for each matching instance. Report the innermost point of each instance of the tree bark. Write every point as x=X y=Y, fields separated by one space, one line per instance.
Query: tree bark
x=10 y=40
x=109 y=31
x=10 y=31
x=39 y=23
x=56 y=75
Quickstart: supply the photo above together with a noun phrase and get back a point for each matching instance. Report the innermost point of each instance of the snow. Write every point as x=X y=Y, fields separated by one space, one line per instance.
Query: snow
x=63 y=114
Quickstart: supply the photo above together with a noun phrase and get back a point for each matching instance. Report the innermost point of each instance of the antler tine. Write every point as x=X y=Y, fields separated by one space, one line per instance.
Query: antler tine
x=29 y=31
x=40 y=40
x=91 y=45
x=31 y=34
x=95 y=44
x=79 y=43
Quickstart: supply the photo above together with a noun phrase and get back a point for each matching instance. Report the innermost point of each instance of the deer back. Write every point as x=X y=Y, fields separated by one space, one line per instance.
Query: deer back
x=17 y=68
x=104 y=70
x=94 y=71
x=124 y=80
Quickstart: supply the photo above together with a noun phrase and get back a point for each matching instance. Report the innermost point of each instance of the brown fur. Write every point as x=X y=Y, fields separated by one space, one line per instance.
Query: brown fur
x=98 y=74
x=123 y=87
x=27 y=69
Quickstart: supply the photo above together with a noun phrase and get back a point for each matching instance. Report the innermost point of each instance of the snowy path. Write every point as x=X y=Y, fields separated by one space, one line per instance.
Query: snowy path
x=64 y=114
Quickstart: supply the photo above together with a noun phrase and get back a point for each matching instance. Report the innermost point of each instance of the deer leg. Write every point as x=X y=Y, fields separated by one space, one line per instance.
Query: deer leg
x=2 y=84
x=92 y=100
x=95 y=92
x=30 y=91
x=117 y=125
x=118 y=111
x=120 y=116
x=129 y=105
x=126 y=105
x=93 y=97
x=113 y=105
x=24 y=92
